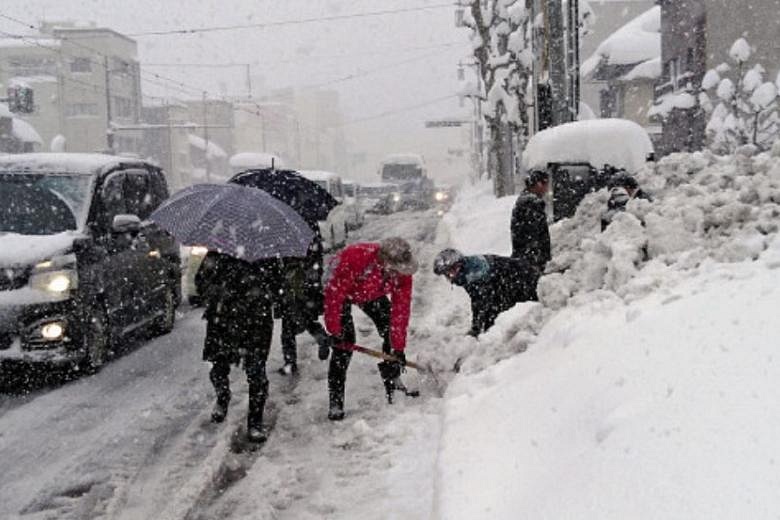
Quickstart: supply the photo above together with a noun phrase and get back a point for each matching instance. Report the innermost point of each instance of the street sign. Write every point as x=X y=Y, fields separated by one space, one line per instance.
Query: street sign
x=447 y=123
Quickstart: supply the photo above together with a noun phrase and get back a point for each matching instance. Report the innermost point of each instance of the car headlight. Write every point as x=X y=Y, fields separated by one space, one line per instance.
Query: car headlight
x=57 y=282
x=199 y=251
x=55 y=276
x=396 y=197
x=440 y=196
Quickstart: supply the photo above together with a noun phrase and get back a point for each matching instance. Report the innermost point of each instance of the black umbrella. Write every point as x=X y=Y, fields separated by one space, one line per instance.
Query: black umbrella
x=309 y=199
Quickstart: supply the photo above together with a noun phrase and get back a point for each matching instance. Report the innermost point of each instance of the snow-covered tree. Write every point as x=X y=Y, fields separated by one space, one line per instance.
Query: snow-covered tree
x=500 y=36
x=743 y=106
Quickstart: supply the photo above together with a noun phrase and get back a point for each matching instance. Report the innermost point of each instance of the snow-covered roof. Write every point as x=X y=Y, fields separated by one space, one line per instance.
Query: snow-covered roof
x=18 y=42
x=635 y=43
x=316 y=175
x=84 y=163
x=25 y=132
x=650 y=69
x=618 y=142
x=255 y=160
x=403 y=158
x=215 y=151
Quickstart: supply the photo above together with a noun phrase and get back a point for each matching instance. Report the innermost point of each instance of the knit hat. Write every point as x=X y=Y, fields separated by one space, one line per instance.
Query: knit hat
x=396 y=254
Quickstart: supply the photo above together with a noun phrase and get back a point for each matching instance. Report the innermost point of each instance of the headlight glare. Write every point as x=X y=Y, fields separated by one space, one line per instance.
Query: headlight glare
x=57 y=282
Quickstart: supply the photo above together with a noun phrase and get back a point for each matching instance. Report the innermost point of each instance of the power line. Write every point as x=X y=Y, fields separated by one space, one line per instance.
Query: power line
x=294 y=22
x=305 y=58
x=393 y=112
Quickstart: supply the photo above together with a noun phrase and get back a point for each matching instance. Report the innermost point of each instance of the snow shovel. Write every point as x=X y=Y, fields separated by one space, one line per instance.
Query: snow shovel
x=395 y=380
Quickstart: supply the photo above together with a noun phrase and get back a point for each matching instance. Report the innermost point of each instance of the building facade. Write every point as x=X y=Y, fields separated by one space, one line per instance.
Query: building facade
x=86 y=81
x=696 y=37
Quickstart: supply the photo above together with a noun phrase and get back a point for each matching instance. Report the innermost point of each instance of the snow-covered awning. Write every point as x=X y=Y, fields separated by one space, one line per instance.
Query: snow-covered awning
x=25 y=132
x=214 y=152
x=637 y=42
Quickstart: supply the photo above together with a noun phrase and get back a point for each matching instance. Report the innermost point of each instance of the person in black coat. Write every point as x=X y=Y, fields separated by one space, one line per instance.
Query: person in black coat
x=622 y=188
x=530 y=234
x=302 y=303
x=239 y=297
x=494 y=283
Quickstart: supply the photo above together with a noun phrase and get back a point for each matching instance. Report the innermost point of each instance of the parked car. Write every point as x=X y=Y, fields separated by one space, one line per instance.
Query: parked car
x=80 y=263
x=581 y=156
x=372 y=196
x=243 y=161
x=343 y=218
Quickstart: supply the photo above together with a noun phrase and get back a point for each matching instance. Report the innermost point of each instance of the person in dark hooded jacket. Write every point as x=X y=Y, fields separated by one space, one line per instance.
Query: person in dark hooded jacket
x=530 y=234
x=494 y=283
x=239 y=297
x=302 y=304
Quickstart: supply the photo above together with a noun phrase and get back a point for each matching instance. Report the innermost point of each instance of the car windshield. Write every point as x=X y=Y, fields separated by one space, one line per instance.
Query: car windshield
x=401 y=172
x=42 y=204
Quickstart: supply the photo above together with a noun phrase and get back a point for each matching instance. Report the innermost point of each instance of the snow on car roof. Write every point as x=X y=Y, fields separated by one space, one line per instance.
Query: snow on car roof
x=617 y=142
x=25 y=132
x=255 y=160
x=84 y=163
x=403 y=158
x=317 y=175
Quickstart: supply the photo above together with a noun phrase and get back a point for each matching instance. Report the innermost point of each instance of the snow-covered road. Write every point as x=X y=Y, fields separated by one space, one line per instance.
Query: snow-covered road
x=135 y=441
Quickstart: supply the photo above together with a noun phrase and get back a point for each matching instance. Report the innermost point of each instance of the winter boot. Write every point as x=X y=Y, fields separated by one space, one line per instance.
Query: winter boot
x=255 y=434
x=389 y=372
x=336 y=404
x=220 y=410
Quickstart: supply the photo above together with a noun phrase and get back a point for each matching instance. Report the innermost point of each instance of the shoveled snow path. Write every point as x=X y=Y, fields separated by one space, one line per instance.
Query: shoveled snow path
x=134 y=441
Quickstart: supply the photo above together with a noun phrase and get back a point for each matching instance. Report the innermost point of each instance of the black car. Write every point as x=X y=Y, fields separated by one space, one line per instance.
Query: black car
x=80 y=264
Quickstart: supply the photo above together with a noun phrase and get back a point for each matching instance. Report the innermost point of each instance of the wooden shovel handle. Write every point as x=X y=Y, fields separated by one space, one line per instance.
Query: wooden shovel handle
x=378 y=354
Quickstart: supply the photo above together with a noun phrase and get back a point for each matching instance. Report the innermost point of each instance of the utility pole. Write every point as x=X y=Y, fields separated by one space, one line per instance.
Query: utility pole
x=109 y=129
x=573 y=58
x=206 y=136
x=557 y=67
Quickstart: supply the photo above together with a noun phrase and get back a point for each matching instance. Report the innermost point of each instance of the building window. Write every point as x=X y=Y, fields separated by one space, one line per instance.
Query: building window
x=123 y=107
x=81 y=110
x=81 y=65
x=31 y=66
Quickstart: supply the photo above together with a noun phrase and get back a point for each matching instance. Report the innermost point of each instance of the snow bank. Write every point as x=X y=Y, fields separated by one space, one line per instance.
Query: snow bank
x=649 y=363
x=660 y=409
x=583 y=141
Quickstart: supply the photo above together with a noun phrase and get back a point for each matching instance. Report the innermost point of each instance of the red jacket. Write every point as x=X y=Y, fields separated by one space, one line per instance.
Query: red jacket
x=358 y=278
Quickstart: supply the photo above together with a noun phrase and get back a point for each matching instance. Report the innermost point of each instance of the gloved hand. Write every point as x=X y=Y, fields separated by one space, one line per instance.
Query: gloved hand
x=401 y=359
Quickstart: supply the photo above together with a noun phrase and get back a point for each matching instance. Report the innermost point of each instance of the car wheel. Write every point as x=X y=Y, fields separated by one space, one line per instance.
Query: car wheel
x=164 y=323
x=96 y=342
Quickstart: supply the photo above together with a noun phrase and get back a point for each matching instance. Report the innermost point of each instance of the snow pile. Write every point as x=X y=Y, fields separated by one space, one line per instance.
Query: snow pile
x=214 y=150
x=723 y=209
x=644 y=372
x=664 y=408
x=583 y=141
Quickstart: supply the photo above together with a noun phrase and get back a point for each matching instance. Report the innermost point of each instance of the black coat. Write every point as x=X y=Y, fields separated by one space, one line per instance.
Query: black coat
x=303 y=299
x=530 y=234
x=239 y=298
x=494 y=284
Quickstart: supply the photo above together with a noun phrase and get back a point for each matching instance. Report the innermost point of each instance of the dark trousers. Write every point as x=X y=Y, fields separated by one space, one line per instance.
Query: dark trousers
x=379 y=312
x=254 y=364
x=291 y=327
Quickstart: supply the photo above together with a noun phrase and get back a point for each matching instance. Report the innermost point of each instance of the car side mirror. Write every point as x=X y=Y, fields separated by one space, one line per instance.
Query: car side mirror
x=126 y=224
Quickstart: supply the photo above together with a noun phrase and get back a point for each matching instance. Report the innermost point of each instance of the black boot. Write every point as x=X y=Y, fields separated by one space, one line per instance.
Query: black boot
x=220 y=410
x=258 y=393
x=219 y=378
x=337 y=375
x=389 y=372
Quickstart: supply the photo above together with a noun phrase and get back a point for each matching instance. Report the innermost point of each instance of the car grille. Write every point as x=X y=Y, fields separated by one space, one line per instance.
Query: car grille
x=12 y=278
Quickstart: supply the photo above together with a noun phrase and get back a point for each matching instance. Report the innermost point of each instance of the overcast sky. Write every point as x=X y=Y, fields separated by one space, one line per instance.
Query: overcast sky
x=303 y=54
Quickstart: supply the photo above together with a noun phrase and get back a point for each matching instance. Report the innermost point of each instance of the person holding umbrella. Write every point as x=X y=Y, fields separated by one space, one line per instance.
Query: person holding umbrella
x=248 y=233
x=378 y=279
x=302 y=301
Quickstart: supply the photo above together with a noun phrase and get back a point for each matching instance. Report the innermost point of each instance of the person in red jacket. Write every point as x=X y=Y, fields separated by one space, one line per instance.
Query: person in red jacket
x=378 y=279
